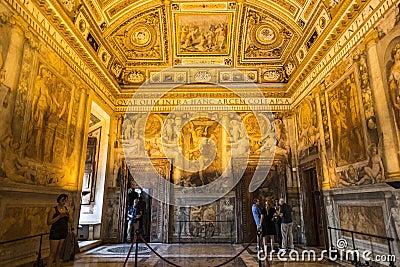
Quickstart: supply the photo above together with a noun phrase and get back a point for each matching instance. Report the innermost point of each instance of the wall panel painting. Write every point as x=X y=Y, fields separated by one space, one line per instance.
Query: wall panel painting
x=202 y=34
x=18 y=222
x=364 y=219
x=346 y=121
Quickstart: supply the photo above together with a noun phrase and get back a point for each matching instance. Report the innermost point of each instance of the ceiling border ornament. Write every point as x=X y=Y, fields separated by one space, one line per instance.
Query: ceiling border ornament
x=284 y=5
x=142 y=39
x=264 y=39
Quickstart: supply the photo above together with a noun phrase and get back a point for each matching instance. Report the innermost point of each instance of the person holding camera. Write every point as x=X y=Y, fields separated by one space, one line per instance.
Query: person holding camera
x=134 y=218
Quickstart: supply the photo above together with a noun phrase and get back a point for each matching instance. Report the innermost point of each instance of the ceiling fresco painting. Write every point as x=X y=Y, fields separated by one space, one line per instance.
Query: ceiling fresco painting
x=262 y=40
x=273 y=44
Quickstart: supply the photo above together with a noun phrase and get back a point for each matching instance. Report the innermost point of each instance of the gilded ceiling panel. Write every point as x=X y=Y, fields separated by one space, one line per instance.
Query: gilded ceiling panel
x=142 y=39
x=264 y=38
x=285 y=6
x=202 y=34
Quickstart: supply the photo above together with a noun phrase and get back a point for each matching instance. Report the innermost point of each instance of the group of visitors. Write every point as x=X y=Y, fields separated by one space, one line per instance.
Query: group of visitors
x=274 y=219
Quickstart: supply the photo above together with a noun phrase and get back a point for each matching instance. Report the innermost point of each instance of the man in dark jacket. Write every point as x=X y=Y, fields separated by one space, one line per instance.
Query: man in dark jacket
x=287 y=225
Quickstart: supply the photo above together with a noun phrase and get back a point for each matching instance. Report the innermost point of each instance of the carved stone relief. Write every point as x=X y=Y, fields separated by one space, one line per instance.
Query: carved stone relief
x=214 y=222
x=367 y=219
x=23 y=221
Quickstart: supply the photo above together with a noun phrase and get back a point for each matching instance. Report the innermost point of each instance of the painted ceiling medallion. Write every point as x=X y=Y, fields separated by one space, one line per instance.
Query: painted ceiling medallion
x=265 y=35
x=264 y=38
x=141 y=36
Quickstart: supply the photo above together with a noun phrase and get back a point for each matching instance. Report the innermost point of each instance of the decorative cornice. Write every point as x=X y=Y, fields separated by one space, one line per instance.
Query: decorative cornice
x=369 y=40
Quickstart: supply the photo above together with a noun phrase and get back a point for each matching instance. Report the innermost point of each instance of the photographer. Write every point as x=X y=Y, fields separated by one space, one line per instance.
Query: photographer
x=134 y=218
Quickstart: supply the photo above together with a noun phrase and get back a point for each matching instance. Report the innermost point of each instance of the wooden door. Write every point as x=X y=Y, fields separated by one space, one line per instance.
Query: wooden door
x=312 y=209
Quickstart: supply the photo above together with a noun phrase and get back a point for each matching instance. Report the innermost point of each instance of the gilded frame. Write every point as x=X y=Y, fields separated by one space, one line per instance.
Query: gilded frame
x=194 y=33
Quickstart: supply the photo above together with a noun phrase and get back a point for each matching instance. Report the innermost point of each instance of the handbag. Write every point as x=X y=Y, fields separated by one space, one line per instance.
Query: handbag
x=70 y=247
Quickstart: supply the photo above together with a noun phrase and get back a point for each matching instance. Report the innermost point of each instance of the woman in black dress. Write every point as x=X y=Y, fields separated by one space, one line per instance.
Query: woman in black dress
x=58 y=218
x=278 y=222
x=268 y=226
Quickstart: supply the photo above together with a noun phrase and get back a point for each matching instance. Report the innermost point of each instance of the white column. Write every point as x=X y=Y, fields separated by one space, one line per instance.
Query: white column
x=224 y=141
x=325 y=172
x=12 y=63
x=390 y=153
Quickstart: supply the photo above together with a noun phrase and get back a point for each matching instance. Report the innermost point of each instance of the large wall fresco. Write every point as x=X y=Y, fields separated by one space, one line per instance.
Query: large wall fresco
x=207 y=143
x=346 y=122
x=38 y=147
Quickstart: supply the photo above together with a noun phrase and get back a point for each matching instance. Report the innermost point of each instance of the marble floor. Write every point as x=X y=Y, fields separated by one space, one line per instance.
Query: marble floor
x=193 y=255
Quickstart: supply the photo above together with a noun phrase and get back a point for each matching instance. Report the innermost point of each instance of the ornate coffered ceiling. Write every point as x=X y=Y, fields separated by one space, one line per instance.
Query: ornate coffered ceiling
x=264 y=40
x=276 y=44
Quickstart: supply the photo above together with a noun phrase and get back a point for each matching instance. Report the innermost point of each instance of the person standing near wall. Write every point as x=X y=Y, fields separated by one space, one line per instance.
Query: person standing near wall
x=287 y=225
x=255 y=209
x=141 y=208
x=58 y=218
x=278 y=223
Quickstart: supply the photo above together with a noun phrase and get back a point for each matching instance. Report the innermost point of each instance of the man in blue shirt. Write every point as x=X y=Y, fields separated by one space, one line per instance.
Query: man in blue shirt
x=255 y=209
x=134 y=217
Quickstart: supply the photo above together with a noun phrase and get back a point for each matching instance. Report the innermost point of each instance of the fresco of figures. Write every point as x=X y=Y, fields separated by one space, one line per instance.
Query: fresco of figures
x=39 y=145
x=205 y=35
x=346 y=122
x=213 y=221
x=307 y=131
x=202 y=147
x=394 y=81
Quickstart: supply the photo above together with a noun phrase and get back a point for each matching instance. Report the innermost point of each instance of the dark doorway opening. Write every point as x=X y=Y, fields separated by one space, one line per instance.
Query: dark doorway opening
x=135 y=192
x=312 y=209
